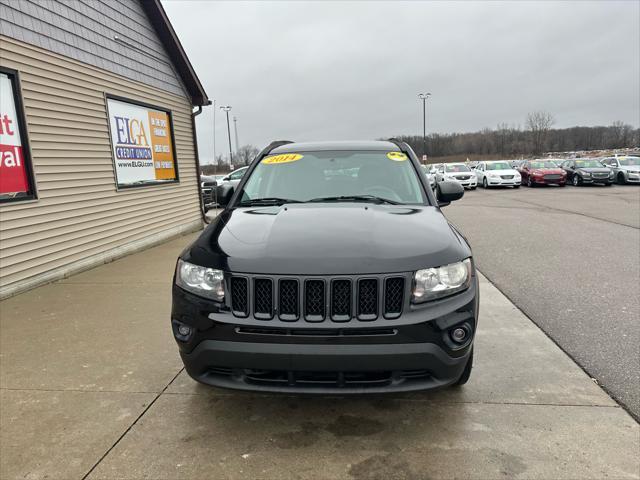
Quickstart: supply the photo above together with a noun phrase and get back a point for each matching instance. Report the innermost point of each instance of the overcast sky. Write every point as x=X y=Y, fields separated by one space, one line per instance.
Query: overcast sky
x=353 y=70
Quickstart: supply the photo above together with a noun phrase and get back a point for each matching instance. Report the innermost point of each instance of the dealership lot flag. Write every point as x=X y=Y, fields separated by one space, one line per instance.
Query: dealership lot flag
x=13 y=173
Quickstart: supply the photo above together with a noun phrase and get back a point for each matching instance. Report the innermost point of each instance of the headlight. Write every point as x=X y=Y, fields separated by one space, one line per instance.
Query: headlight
x=203 y=281
x=491 y=174
x=585 y=174
x=433 y=283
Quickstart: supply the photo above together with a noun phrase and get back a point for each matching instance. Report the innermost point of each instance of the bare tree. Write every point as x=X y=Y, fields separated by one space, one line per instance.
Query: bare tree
x=539 y=123
x=245 y=154
x=620 y=133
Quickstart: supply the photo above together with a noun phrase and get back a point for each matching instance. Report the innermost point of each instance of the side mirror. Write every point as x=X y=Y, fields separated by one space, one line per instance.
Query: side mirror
x=224 y=193
x=448 y=192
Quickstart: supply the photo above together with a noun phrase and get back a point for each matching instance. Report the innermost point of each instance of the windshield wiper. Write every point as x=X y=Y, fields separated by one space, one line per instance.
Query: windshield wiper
x=356 y=198
x=267 y=201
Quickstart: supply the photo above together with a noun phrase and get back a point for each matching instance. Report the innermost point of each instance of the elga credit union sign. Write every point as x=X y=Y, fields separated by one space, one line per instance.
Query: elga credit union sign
x=14 y=177
x=142 y=144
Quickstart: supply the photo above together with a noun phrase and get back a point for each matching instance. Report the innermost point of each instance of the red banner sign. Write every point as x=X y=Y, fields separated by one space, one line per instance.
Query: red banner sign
x=13 y=171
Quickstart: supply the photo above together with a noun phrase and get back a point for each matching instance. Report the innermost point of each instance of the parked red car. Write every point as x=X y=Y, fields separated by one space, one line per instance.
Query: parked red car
x=542 y=172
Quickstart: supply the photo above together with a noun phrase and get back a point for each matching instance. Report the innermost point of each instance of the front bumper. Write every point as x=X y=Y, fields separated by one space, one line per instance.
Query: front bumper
x=323 y=368
x=411 y=352
x=599 y=180
x=468 y=183
x=632 y=177
x=503 y=182
x=548 y=181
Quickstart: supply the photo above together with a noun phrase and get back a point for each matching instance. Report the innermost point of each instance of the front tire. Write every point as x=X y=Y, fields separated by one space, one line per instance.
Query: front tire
x=576 y=181
x=530 y=184
x=621 y=179
x=466 y=373
x=485 y=184
x=516 y=186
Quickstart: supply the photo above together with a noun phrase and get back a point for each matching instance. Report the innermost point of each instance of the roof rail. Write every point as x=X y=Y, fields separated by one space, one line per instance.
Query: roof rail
x=398 y=143
x=273 y=145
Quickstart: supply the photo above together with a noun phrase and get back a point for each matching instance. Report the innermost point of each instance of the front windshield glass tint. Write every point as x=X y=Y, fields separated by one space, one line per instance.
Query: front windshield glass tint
x=498 y=166
x=307 y=176
x=543 y=165
x=457 y=167
x=629 y=161
x=588 y=164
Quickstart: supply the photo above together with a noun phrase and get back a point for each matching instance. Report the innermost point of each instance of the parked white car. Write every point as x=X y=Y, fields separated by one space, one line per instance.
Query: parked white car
x=497 y=173
x=234 y=177
x=457 y=172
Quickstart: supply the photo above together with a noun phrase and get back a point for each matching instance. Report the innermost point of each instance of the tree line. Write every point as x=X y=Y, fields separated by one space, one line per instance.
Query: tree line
x=536 y=138
x=505 y=141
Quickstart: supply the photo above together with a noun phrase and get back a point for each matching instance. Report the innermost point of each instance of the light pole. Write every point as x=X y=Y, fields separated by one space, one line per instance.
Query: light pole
x=214 y=133
x=235 y=131
x=226 y=108
x=423 y=97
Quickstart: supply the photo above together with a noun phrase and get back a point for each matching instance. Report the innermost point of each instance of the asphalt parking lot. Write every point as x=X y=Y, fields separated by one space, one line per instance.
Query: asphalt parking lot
x=570 y=259
x=91 y=386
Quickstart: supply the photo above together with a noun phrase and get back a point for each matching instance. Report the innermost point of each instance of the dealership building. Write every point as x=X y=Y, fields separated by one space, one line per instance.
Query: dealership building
x=97 y=136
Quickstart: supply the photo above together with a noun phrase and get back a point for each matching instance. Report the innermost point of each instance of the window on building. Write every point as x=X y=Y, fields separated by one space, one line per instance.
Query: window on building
x=142 y=141
x=16 y=173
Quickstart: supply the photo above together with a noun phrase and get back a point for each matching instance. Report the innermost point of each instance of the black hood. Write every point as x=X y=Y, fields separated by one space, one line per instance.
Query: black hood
x=328 y=239
x=594 y=169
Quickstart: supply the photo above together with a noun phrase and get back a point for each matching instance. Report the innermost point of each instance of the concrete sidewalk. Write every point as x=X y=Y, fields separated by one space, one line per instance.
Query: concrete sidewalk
x=92 y=387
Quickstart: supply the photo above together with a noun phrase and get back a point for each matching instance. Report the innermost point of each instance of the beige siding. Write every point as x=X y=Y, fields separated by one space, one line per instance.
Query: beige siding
x=79 y=213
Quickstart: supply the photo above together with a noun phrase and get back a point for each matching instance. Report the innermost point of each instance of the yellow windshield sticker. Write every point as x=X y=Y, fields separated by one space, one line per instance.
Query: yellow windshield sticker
x=283 y=158
x=397 y=156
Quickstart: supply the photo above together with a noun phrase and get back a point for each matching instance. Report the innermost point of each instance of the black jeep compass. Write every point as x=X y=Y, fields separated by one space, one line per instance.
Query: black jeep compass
x=331 y=269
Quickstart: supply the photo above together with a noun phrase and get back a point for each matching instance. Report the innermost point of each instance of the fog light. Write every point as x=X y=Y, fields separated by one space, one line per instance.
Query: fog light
x=459 y=335
x=184 y=330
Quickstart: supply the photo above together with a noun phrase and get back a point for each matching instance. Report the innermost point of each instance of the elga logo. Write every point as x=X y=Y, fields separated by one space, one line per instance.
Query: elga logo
x=131 y=132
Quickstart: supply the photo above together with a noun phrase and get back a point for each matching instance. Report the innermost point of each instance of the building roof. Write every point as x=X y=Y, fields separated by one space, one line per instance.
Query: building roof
x=169 y=39
x=336 y=145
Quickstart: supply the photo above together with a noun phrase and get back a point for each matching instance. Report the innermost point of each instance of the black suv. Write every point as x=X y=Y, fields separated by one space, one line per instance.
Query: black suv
x=331 y=269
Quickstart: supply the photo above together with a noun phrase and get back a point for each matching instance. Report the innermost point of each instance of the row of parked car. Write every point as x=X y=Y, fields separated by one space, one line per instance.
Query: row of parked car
x=208 y=184
x=503 y=173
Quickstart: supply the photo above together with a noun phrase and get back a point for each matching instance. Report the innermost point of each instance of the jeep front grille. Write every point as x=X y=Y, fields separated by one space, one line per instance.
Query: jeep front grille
x=263 y=298
x=288 y=300
x=368 y=299
x=239 y=296
x=340 y=299
x=393 y=297
x=314 y=300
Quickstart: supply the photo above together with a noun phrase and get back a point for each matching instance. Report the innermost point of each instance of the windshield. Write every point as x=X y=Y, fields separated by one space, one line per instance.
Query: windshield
x=629 y=161
x=588 y=164
x=305 y=176
x=543 y=164
x=498 y=166
x=457 y=167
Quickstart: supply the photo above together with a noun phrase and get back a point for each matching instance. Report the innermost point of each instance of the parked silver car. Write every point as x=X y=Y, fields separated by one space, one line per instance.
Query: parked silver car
x=625 y=168
x=458 y=172
x=430 y=176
